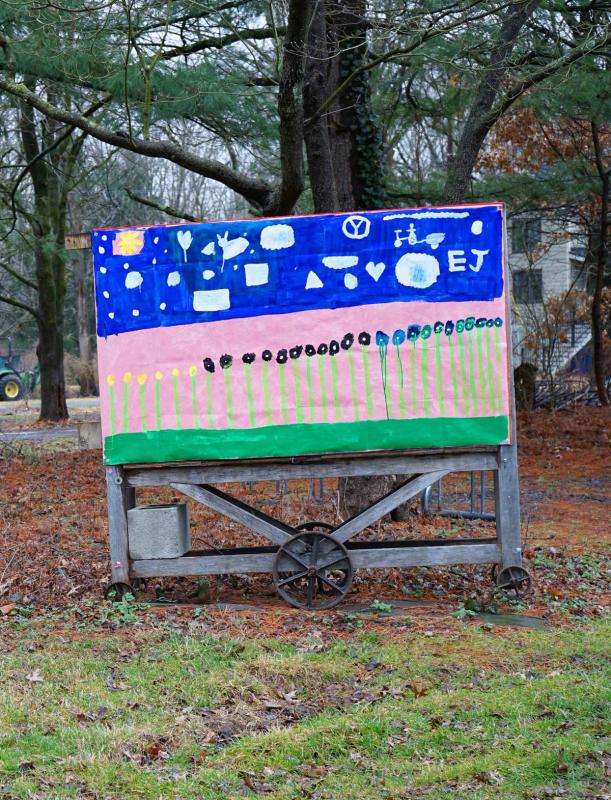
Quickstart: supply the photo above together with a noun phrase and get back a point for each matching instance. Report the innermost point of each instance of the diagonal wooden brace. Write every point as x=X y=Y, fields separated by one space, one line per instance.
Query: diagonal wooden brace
x=274 y=530
x=405 y=491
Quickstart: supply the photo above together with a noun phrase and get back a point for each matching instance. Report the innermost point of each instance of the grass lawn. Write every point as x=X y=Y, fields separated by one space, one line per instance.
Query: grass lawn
x=155 y=711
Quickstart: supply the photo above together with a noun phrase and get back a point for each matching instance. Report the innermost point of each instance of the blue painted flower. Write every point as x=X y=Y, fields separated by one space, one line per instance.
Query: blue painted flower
x=398 y=336
x=413 y=332
x=449 y=329
x=460 y=325
x=498 y=322
x=438 y=327
x=480 y=322
x=469 y=323
x=382 y=339
x=490 y=323
x=426 y=331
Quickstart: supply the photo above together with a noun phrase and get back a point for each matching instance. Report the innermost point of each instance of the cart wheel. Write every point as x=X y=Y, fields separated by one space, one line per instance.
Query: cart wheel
x=514 y=578
x=338 y=576
x=117 y=591
x=308 y=560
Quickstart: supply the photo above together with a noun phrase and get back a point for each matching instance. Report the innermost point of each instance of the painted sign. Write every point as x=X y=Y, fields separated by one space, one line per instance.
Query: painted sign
x=317 y=334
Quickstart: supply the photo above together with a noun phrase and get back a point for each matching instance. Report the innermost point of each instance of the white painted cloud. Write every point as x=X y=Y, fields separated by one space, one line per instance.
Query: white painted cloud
x=417 y=270
x=350 y=281
x=207 y=274
x=174 y=278
x=133 y=280
x=477 y=227
x=277 y=237
x=340 y=262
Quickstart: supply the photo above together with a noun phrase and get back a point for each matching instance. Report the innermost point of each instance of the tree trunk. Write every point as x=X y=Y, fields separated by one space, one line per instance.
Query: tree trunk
x=602 y=250
x=50 y=348
x=82 y=309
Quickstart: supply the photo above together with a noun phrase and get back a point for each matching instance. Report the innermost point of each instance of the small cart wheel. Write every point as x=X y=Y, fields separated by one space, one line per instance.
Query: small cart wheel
x=117 y=591
x=314 y=525
x=337 y=576
x=307 y=561
x=515 y=579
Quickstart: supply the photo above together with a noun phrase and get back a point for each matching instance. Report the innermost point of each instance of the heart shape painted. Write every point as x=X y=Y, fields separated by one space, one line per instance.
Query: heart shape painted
x=375 y=270
x=184 y=239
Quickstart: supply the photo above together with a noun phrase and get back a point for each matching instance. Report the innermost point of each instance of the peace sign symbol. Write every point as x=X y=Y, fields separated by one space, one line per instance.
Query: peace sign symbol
x=356 y=227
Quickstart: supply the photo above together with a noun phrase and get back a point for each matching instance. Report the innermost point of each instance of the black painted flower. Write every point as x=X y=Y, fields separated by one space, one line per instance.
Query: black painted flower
x=480 y=322
x=310 y=350
x=226 y=361
x=460 y=325
x=498 y=322
x=282 y=356
x=248 y=358
x=469 y=323
x=347 y=341
x=426 y=331
x=267 y=355
x=364 y=338
x=296 y=351
x=490 y=323
x=209 y=365
x=413 y=332
x=333 y=347
x=322 y=349
x=438 y=327
x=398 y=336
x=449 y=327
x=382 y=339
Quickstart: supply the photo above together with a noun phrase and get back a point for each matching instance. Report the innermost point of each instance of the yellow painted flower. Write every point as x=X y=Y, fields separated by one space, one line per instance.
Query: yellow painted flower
x=110 y=380
x=175 y=372
x=158 y=375
x=142 y=378
x=192 y=371
x=128 y=243
x=127 y=377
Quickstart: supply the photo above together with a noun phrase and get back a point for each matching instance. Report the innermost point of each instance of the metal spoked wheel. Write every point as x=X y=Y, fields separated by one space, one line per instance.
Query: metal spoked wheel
x=338 y=576
x=308 y=561
x=516 y=579
x=117 y=591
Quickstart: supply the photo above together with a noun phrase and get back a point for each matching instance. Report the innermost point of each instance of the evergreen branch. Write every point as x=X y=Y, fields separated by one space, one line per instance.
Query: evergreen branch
x=16 y=304
x=171 y=212
x=17 y=276
x=218 y=42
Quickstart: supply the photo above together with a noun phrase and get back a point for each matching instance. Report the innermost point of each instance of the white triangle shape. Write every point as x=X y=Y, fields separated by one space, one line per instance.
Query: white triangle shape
x=313 y=281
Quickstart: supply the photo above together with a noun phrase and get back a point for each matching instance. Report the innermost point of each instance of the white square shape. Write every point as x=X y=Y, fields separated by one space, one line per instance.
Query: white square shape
x=211 y=300
x=256 y=274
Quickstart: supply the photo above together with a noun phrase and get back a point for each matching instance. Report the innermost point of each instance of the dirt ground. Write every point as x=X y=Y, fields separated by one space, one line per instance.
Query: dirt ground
x=53 y=548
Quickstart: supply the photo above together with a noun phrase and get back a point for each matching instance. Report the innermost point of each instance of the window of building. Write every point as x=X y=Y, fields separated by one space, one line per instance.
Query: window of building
x=525 y=235
x=528 y=286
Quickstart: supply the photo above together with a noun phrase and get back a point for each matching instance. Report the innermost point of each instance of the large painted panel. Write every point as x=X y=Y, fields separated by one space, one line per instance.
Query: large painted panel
x=317 y=334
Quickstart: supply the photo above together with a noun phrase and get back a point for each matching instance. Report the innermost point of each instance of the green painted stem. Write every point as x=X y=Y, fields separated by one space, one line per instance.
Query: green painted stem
x=424 y=374
x=368 y=391
x=194 y=400
x=472 y=373
x=230 y=418
x=209 y=400
x=453 y=357
x=482 y=377
x=463 y=373
x=266 y=393
x=383 y=350
x=355 y=401
x=283 y=409
x=157 y=405
x=297 y=389
x=323 y=388
x=249 y=399
x=440 y=400
x=125 y=407
x=142 y=392
x=176 y=402
x=412 y=371
x=335 y=380
x=491 y=375
x=497 y=350
x=310 y=388
x=113 y=422
x=401 y=382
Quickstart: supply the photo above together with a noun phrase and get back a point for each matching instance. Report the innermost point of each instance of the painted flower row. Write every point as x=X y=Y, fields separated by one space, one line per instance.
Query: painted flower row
x=411 y=334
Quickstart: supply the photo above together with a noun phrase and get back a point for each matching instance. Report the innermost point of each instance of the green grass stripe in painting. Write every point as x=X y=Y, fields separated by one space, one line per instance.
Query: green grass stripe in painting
x=355 y=400
x=142 y=393
x=228 y=397
x=424 y=373
x=176 y=401
x=472 y=385
x=490 y=373
x=463 y=372
x=111 y=400
x=452 y=354
x=249 y=400
x=125 y=407
x=209 y=400
x=157 y=403
x=267 y=400
x=442 y=408
x=401 y=382
x=412 y=378
x=368 y=390
x=335 y=380
x=294 y=440
x=479 y=333
x=323 y=388
x=194 y=400
x=312 y=413
x=497 y=352
x=283 y=408
x=297 y=390
x=383 y=349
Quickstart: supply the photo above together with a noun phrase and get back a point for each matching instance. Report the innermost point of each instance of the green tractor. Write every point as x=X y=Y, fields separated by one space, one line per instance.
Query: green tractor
x=14 y=383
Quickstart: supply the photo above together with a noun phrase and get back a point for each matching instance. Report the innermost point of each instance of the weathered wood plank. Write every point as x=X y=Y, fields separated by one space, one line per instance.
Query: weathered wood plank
x=507 y=506
x=117 y=524
x=425 y=556
x=274 y=530
x=341 y=467
x=222 y=564
x=376 y=511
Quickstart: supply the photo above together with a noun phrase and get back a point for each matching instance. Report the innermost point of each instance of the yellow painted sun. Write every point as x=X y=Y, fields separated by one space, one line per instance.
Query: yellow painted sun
x=128 y=243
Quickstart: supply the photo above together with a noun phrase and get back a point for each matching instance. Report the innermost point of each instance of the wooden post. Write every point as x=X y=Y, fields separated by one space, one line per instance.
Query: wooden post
x=119 y=498
x=507 y=506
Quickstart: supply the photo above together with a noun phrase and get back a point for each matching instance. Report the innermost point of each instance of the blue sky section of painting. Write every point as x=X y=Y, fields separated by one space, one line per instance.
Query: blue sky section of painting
x=316 y=236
